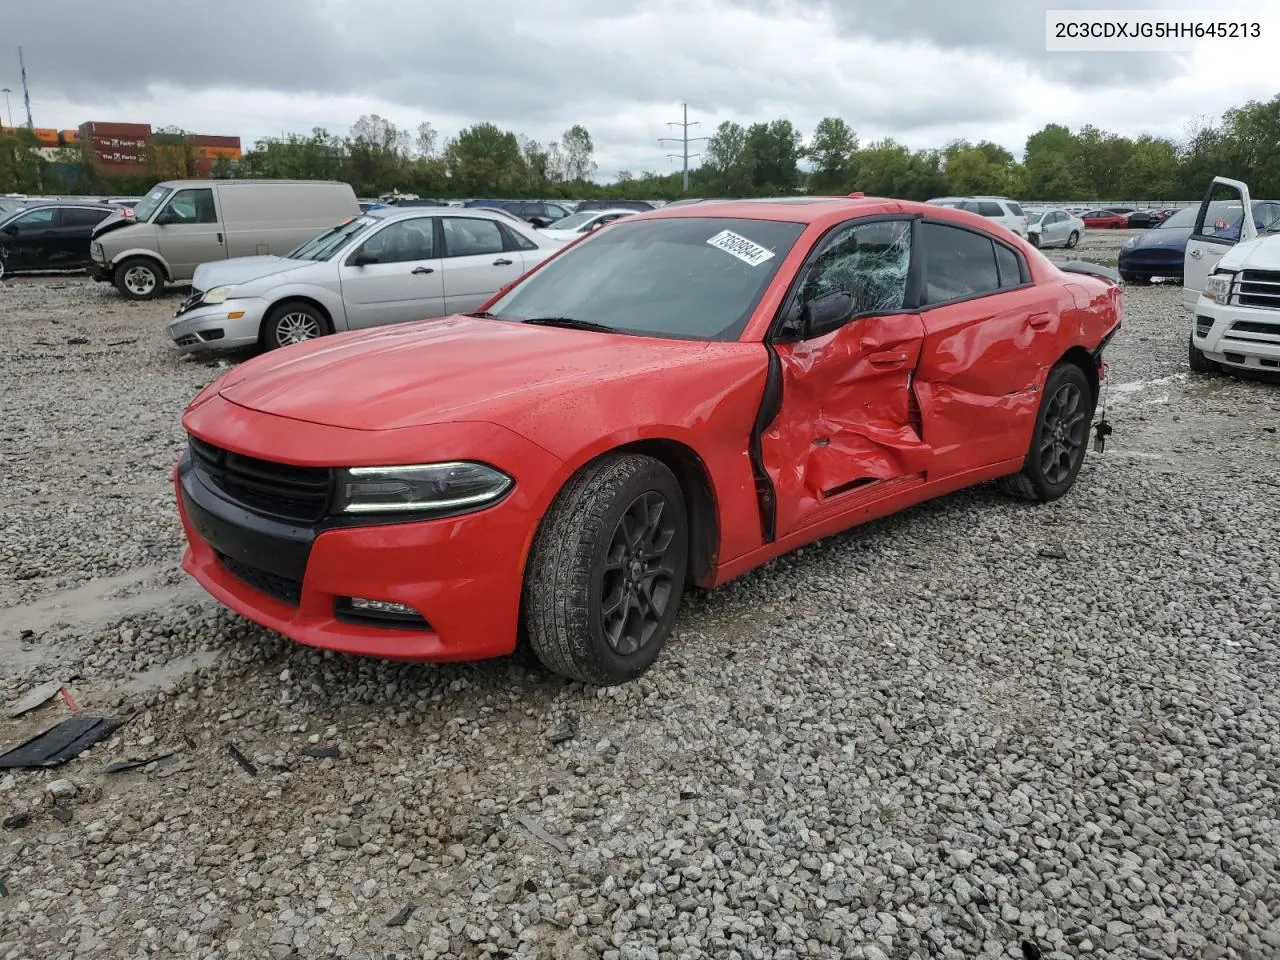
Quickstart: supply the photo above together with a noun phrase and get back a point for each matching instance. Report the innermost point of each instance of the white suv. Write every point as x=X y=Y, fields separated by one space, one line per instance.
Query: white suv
x=1000 y=209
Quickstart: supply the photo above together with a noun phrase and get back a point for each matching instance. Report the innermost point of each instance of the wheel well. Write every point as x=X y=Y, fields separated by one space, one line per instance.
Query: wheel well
x=328 y=318
x=695 y=484
x=1081 y=358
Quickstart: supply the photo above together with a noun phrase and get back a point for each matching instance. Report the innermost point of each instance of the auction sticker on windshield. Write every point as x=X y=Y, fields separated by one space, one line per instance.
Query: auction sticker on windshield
x=748 y=251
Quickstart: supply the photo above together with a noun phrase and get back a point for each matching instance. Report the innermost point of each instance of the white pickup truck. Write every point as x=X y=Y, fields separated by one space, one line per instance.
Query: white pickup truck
x=1231 y=282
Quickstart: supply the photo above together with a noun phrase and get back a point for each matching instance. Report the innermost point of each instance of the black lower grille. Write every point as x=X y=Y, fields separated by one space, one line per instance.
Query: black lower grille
x=273 y=585
x=187 y=340
x=1248 y=326
x=273 y=489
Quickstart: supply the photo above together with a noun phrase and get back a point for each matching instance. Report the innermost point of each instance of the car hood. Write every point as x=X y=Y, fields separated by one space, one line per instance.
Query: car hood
x=220 y=273
x=560 y=235
x=1260 y=254
x=1157 y=238
x=448 y=369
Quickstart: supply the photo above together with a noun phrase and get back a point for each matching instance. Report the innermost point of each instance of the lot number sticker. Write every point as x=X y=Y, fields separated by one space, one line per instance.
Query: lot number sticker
x=748 y=251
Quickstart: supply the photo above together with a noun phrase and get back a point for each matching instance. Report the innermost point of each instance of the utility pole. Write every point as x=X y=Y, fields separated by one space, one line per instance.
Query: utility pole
x=26 y=95
x=8 y=107
x=685 y=140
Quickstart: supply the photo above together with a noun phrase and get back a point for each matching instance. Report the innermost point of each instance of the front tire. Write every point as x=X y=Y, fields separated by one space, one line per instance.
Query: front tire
x=1034 y=239
x=607 y=569
x=140 y=278
x=291 y=323
x=1073 y=239
x=1197 y=361
x=1059 y=439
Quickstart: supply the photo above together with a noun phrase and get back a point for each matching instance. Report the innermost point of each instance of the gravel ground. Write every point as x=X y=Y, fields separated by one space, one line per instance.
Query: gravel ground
x=971 y=725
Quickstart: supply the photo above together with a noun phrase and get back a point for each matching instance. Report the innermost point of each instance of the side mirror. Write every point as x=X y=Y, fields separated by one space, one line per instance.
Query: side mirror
x=823 y=314
x=165 y=216
x=363 y=259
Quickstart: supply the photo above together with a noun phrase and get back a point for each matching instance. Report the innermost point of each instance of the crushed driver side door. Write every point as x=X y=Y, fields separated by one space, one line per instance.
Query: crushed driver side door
x=847 y=425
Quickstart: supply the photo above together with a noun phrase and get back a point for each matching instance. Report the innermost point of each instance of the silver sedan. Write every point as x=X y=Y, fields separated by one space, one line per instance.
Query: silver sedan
x=1054 y=228
x=385 y=266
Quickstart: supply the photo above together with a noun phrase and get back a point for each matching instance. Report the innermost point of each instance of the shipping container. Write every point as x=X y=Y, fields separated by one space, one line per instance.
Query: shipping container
x=96 y=128
x=205 y=140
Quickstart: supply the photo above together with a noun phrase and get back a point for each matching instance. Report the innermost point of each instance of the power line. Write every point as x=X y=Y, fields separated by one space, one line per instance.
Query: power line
x=685 y=140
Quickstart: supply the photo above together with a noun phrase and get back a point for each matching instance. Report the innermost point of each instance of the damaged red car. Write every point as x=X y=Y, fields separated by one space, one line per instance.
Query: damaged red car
x=671 y=401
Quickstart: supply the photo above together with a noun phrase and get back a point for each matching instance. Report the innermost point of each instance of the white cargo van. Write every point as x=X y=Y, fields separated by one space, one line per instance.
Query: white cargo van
x=181 y=224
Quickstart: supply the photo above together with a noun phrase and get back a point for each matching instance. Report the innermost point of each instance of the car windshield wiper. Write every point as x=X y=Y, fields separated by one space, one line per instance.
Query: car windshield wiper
x=570 y=323
x=482 y=314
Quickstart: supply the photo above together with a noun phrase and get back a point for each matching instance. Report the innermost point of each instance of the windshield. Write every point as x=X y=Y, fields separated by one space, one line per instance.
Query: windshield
x=1034 y=217
x=331 y=241
x=150 y=203
x=573 y=221
x=683 y=278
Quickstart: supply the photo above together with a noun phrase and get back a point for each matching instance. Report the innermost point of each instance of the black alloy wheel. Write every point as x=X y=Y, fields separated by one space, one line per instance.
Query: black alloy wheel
x=1066 y=427
x=638 y=579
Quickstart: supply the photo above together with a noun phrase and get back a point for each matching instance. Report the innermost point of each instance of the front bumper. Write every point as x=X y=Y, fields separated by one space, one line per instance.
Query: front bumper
x=1244 y=337
x=462 y=574
x=230 y=325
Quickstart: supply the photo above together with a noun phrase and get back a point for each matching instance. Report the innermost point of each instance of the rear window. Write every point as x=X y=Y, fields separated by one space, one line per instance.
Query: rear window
x=687 y=278
x=1015 y=209
x=990 y=209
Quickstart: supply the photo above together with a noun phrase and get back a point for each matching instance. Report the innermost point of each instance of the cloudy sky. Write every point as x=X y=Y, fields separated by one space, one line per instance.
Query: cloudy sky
x=922 y=71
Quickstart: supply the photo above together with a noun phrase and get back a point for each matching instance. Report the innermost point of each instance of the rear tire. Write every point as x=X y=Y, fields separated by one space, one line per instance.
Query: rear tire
x=290 y=323
x=1059 y=439
x=140 y=278
x=1073 y=239
x=1197 y=361
x=607 y=569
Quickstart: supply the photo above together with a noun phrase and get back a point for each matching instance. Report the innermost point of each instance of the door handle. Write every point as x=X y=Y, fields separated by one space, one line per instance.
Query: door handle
x=1196 y=253
x=1039 y=320
x=423 y=270
x=887 y=358
x=502 y=262
x=219 y=238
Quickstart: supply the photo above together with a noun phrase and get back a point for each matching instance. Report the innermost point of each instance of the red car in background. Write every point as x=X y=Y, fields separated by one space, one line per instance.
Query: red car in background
x=1104 y=220
x=672 y=401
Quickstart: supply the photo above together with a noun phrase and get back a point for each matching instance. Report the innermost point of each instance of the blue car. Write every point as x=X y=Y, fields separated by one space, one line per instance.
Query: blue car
x=1160 y=251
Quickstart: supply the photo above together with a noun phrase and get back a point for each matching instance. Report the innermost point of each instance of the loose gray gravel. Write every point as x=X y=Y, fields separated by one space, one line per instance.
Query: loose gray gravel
x=971 y=725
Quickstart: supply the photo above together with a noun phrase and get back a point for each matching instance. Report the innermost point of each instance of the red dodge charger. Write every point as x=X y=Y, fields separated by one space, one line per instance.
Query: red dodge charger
x=673 y=400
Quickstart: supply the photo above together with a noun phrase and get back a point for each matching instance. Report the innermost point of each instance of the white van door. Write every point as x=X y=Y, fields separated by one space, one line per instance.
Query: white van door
x=1225 y=219
x=189 y=231
x=394 y=276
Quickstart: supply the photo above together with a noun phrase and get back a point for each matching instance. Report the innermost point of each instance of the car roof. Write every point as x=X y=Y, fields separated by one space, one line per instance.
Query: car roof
x=798 y=209
x=402 y=213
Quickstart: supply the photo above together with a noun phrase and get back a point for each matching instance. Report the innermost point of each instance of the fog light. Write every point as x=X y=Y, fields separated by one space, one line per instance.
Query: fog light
x=379 y=613
x=382 y=606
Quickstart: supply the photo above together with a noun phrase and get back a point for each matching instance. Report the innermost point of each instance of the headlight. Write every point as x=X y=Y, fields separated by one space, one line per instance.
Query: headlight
x=423 y=488
x=218 y=294
x=1131 y=242
x=1218 y=287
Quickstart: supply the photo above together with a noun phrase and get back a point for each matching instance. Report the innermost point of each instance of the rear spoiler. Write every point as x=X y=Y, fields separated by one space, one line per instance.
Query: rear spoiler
x=1092 y=269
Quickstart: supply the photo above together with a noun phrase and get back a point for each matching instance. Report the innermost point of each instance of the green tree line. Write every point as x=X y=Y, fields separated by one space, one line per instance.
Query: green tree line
x=762 y=159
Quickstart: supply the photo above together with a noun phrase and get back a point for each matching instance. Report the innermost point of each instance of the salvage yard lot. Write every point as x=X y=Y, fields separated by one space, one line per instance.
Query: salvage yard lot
x=975 y=723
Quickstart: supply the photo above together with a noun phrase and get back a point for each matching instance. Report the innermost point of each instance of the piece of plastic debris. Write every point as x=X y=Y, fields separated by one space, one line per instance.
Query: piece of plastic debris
x=35 y=697
x=567 y=730
x=123 y=765
x=241 y=759
x=77 y=341
x=320 y=752
x=16 y=820
x=401 y=918
x=60 y=743
x=538 y=831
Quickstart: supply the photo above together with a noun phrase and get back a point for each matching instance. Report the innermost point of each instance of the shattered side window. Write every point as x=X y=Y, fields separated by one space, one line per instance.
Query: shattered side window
x=869 y=262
